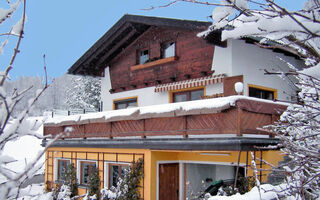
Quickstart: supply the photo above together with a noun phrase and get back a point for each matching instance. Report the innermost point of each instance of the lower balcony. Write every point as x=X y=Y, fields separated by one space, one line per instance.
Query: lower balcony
x=233 y=116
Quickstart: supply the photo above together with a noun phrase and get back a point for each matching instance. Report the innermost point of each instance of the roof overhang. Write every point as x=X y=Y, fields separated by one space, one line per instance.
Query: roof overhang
x=214 y=37
x=120 y=36
x=223 y=144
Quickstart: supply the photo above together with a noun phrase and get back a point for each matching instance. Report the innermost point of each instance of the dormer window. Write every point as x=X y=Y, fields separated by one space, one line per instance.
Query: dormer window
x=168 y=49
x=143 y=56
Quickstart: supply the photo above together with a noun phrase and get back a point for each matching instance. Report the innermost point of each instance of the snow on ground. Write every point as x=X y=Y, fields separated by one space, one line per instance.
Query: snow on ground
x=267 y=192
x=34 y=192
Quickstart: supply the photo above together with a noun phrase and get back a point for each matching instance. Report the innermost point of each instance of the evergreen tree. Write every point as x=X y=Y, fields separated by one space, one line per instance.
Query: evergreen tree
x=130 y=185
x=84 y=92
x=94 y=183
x=70 y=179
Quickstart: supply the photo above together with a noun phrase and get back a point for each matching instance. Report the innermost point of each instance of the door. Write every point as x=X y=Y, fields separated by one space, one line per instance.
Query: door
x=169 y=181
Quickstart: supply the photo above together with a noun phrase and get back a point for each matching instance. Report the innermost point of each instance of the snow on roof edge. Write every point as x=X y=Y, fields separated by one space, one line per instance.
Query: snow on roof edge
x=205 y=106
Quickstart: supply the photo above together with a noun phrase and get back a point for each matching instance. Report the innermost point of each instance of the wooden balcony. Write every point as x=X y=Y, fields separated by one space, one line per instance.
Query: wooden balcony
x=236 y=115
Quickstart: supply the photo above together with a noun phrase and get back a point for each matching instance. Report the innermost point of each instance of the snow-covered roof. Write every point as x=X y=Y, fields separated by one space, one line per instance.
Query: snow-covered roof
x=205 y=106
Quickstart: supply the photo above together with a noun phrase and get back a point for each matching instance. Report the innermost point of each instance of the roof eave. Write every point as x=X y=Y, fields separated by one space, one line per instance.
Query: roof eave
x=82 y=65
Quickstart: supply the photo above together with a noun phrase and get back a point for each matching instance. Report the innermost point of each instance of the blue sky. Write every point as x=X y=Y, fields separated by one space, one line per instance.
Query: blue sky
x=65 y=29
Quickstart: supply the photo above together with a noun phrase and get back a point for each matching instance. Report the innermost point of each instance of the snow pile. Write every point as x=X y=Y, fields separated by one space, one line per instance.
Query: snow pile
x=267 y=191
x=24 y=149
x=34 y=192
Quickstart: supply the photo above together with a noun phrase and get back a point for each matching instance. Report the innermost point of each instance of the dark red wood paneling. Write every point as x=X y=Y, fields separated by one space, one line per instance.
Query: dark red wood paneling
x=194 y=56
x=251 y=121
x=228 y=85
x=165 y=126
x=127 y=128
x=218 y=123
x=52 y=130
x=98 y=130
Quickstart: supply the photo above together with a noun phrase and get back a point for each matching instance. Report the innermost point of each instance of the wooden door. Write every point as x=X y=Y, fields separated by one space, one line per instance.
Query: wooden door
x=169 y=181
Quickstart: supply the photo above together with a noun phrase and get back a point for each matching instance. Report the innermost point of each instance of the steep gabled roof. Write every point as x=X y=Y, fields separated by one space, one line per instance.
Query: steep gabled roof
x=122 y=34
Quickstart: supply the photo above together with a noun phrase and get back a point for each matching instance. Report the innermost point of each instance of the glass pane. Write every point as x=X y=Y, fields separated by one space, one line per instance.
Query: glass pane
x=132 y=104
x=121 y=105
x=196 y=95
x=114 y=175
x=262 y=94
x=62 y=168
x=124 y=170
x=169 y=50
x=85 y=173
x=180 y=97
x=144 y=56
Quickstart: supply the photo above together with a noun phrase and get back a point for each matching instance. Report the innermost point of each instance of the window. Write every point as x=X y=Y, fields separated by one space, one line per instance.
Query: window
x=116 y=171
x=86 y=169
x=143 y=56
x=125 y=103
x=168 y=49
x=262 y=93
x=190 y=95
x=62 y=168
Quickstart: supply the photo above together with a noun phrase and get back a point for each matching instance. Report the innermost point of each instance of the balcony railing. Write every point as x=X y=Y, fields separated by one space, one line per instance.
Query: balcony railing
x=237 y=116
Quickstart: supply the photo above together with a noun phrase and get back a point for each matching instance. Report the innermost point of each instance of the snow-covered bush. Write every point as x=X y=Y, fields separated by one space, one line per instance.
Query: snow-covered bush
x=64 y=193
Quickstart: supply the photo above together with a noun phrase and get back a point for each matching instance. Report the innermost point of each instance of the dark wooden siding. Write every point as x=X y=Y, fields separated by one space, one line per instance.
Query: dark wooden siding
x=231 y=121
x=194 y=56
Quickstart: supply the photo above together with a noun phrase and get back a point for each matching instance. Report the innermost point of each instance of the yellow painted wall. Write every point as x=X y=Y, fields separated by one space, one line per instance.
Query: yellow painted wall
x=222 y=157
x=124 y=155
x=151 y=159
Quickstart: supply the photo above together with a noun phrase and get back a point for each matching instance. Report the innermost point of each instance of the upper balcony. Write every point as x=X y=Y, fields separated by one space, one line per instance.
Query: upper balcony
x=225 y=117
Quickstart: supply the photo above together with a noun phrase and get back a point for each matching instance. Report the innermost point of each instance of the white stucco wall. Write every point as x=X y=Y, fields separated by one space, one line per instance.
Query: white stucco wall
x=214 y=89
x=146 y=96
x=222 y=60
x=250 y=60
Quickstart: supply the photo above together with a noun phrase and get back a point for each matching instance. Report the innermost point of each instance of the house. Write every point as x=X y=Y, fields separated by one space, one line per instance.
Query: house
x=168 y=98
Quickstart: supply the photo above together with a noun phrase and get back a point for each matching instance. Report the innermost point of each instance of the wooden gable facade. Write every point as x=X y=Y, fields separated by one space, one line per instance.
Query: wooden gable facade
x=118 y=49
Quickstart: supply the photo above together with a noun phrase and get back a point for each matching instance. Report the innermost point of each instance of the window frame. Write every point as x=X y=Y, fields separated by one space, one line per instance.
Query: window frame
x=272 y=90
x=57 y=167
x=107 y=175
x=139 y=51
x=162 y=49
x=187 y=90
x=126 y=99
x=80 y=170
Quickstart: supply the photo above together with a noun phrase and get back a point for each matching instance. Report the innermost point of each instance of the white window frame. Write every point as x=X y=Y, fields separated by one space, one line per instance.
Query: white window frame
x=79 y=169
x=55 y=166
x=106 y=171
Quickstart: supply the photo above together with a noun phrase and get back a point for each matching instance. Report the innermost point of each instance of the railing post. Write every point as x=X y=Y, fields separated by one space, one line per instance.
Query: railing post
x=239 y=115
